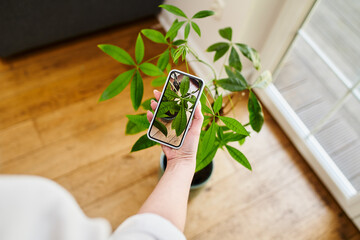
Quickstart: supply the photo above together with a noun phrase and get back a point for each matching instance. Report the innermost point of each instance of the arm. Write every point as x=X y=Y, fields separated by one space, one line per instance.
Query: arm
x=170 y=196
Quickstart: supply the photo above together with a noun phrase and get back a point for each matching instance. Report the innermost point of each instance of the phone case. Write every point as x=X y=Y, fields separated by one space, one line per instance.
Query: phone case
x=192 y=113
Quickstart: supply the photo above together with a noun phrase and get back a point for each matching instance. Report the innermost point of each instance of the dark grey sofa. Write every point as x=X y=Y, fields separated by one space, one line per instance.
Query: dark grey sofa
x=28 y=24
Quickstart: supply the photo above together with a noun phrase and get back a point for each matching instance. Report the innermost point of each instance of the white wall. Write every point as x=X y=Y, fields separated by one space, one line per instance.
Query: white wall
x=251 y=22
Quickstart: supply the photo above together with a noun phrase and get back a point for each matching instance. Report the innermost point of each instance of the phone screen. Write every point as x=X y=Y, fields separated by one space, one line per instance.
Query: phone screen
x=180 y=95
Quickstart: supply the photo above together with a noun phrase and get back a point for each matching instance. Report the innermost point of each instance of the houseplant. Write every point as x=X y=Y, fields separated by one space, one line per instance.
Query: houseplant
x=218 y=130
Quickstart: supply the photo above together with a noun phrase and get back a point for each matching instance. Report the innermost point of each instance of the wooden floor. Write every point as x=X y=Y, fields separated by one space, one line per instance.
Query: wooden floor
x=51 y=125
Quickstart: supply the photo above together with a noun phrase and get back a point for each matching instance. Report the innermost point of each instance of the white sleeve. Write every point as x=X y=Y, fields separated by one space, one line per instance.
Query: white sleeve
x=147 y=226
x=35 y=208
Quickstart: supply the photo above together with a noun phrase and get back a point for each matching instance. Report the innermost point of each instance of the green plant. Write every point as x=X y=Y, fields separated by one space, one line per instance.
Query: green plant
x=218 y=130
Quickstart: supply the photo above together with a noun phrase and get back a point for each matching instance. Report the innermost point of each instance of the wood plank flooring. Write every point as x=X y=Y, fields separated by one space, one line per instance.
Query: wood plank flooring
x=52 y=125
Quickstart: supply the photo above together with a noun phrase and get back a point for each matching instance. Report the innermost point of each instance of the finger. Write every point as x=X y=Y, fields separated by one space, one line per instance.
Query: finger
x=153 y=105
x=157 y=94
x=197 y=121
x=149 y=115
x=198 y=113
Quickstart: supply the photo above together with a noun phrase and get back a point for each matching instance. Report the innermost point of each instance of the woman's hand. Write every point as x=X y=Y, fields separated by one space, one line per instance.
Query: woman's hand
x=187 y=153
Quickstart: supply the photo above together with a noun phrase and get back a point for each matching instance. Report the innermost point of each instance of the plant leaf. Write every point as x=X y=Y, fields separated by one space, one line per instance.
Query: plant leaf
x=139 y=119
x=132 y=128
x=233 y=137
x=174 y=10
x=234 y=125
x=256 y=116
x=251 y=54
x=147 y=104
x=117 y=85
x=161 y=127
x=187 y=30
x=142 y=143
x=218 y=104
x=200 y=164
x=263 y=80
x=184 y=85
x=179 y=42
x=154 y=35
x=163 y=60
x=150 y=69
x=196 y=28
x=203 y=14
x=173 y=31
x=220 y=49
x=180 y=121
x=235 y=82
x=238 y=156
x=117 y=53
x=139 y=49
x=136 y=90
x=226 y=33
x=208 y=140
x=234 y=60
x=158 y=82
x=167 y=106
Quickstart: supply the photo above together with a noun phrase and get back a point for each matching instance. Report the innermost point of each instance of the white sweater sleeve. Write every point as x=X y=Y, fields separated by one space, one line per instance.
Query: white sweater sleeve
x=37 y=208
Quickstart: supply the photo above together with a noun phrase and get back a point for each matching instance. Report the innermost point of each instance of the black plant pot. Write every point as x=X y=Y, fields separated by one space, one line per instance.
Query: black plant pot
x=170 y=118
x=200 y=178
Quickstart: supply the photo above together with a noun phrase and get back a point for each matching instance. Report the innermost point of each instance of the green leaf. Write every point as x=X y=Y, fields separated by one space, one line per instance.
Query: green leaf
x=204 y=107
x=154 y=35
x=142 y=143
x=226 y=33
x=179 y=42
x=203 y=14
x=163 y=60
x=238 y=156
x=220 y=49
x=184 y=85
x=147 y=104
x=139 y=119
x=167 y=106
x=168 y=67
x=234 y=125
x=235 y=82
x=196 y=28
x=136 y=90
x=117 y=85
x=170 y=94
x=256 y=116
x=187 y=30
x=200 y=164
x=174 y=10
x=233 y=137
x=208 y=140
x=218 y=104
x=180 y=121
x=139 y=49
x=150 y=69
x=251 y=54
x=263 y=80
x=132 y=128
x=173 y=31
x=161 y=127
x=241 y=141
x=117 y=53
x=234 y=60
x=158 y=82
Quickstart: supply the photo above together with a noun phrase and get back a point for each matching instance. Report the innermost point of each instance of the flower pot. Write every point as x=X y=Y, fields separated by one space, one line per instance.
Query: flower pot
x=170 y=118
x=200 y=178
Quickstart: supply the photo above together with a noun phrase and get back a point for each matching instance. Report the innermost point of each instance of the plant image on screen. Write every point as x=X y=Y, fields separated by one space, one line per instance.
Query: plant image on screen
x=175 y=108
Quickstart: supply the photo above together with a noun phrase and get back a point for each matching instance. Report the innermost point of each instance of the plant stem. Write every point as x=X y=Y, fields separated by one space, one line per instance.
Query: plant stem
x=202 y=61
x=232 y=105
x=187 y=67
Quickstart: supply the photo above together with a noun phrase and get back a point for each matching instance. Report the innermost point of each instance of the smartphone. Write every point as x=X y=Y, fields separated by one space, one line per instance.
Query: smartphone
x=175 y=109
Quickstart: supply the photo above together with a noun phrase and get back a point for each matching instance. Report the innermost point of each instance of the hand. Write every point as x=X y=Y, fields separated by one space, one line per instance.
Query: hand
x=187 y=153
